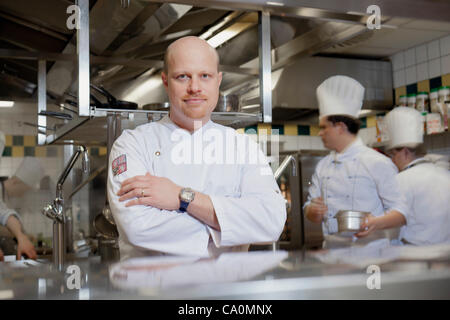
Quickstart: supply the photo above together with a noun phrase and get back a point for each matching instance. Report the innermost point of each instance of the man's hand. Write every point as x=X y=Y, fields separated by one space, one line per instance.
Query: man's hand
x=316 y=210
x=24 y=246
x=370 y=225
x=152 y=191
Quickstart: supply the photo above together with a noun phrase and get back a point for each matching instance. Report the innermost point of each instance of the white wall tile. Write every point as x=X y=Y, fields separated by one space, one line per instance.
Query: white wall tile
x=316 y=143
x=434 y=68
x=398 y=61
x=411 y=74
x=421 y=54
x=433 y=50
x=444 y=43
x=290 y=143
x=410 y=57
x=445 y=64
x=304 y=143
x=422 y=71
x=399 y=78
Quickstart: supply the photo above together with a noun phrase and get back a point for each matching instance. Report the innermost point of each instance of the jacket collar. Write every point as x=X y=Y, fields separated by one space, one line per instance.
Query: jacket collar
x=349 y=152
x=172 y=126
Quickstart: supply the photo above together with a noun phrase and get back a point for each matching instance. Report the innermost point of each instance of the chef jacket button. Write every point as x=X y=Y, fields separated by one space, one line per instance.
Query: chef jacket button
x=157 y=153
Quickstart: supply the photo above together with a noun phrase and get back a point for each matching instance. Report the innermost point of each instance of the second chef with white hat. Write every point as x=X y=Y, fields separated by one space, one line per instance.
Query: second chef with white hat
x=353 y=176
x=424 y=184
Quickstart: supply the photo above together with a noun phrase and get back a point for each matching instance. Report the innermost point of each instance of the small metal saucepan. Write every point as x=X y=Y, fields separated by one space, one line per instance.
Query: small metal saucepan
x=228 y=103
x=350 y=220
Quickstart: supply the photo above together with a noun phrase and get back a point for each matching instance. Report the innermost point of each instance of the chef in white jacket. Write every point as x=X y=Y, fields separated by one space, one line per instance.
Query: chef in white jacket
x=186 y=185
x=15 y=186
x=424 y=184
x=353 y=176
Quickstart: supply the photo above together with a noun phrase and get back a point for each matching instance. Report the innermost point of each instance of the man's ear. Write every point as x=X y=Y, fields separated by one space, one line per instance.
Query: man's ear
x=164 y=79
x=342 y=127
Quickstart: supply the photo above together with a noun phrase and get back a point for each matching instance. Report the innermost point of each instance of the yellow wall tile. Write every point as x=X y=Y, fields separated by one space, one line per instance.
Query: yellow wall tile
x=18 y=151
x=264 y=126
x=29 y=141
x=371 y=121
x=8 y=140
x=314 y=130
x=102 y=151
x=446 y=80
x=240 y=130
x=423 y=86
x=399 y=92
x=290 y=130
x=40 y=152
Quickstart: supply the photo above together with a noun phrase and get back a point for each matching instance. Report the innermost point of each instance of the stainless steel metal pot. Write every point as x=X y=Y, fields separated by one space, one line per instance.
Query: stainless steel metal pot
x=350 y=220
x=228 y=103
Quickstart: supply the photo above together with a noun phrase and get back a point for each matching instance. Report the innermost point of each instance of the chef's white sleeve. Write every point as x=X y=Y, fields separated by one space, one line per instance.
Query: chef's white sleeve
x=384 y=173
x=257 y=215
x=145 y=226
x=6 y=212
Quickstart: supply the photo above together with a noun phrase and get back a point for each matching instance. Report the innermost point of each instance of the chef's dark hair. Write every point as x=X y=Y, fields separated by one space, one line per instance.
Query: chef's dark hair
x=352 y=124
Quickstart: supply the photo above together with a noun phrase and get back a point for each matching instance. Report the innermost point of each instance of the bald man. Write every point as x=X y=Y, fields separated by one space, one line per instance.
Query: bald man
x=185 y=185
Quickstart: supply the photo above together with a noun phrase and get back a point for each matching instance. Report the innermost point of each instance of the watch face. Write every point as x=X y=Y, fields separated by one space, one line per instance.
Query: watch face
x=187 y=194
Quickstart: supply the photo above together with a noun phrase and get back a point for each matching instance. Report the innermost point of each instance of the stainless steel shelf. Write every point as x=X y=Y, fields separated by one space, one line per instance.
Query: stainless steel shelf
x=91 y=131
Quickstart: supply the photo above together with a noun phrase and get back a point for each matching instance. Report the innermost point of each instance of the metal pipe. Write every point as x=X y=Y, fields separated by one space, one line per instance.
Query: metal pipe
x=56 y=210
x=284 y=165
x=69 y=166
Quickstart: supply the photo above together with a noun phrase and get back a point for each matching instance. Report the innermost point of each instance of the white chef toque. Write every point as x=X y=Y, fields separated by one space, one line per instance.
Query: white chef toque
x=30 y=172
x=340 y=95
x=405 y=127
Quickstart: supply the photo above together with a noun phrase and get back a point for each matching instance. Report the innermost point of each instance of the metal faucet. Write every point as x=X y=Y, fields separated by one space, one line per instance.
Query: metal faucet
x=284 y=165
x=55 y=211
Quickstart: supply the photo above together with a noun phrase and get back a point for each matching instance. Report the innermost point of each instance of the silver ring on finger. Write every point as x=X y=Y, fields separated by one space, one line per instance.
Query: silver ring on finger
x=142 y=193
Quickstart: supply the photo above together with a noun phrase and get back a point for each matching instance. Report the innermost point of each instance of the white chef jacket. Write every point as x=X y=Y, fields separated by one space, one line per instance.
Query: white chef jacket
x=427 y=191
x=359 y=178
x=5 y=212
x=246 y=198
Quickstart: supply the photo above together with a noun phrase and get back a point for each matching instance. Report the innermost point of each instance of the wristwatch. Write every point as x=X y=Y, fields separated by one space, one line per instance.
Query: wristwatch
x=186 y=196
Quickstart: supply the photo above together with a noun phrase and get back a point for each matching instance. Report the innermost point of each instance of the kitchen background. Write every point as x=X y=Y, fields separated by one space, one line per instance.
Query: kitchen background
x=409 y=55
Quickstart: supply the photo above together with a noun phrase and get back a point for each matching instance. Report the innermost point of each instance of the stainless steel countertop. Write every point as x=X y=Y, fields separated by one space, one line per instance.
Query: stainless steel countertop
x=405 y=273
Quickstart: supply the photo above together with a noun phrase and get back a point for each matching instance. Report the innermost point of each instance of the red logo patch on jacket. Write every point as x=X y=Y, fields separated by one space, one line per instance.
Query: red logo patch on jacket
x=119 y=165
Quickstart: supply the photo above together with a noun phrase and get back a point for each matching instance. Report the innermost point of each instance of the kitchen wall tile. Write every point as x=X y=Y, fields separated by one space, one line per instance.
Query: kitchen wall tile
x=434 y=68
x=421 y=54
x=290 y=143
x=399 y=78
x=445 y=64
x=422 y=71
x=316 y=143
x=304 y=143
x=398 y=61
x=433 y=50
x=410 y=57
x=444 y=44
x=411 y=74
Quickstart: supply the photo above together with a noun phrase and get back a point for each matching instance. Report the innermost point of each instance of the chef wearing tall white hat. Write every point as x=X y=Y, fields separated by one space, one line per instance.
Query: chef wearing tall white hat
x=25 y=178
x=353 y=176
x=424 y=184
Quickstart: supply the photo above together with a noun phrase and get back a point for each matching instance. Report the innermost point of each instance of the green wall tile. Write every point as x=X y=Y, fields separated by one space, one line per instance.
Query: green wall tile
x=17 y=140
x=7 y=152
x=29 y=152
x=276 y=127
x=303 y=130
